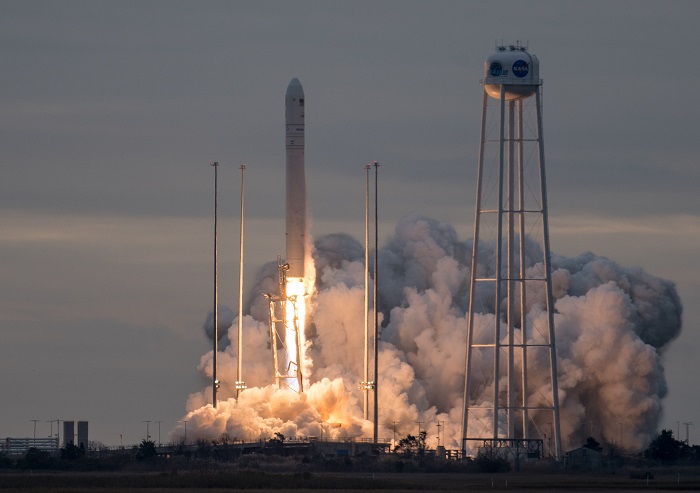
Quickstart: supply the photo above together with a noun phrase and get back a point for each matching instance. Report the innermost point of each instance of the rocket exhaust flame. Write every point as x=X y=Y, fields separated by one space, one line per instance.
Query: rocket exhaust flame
x=287 y=313
x=295 y=307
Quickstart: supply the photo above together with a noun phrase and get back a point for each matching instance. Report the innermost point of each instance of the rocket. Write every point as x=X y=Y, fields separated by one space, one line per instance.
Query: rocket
x=295 y=180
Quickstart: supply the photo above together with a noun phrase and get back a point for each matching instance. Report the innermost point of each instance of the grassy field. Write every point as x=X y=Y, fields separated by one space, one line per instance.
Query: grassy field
x=214 y=481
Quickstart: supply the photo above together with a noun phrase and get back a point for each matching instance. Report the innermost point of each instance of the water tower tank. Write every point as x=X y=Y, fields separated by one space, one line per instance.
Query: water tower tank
x=515 y=69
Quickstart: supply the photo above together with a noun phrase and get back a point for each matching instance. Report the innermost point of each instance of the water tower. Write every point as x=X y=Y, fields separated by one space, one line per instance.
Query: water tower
x=510 y=390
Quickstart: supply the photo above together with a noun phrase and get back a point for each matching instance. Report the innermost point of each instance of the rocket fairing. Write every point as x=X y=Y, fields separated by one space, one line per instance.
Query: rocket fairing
x=295 y=179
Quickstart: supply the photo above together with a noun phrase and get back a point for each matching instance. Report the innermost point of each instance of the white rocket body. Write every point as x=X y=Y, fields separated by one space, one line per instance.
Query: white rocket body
x=296 y=181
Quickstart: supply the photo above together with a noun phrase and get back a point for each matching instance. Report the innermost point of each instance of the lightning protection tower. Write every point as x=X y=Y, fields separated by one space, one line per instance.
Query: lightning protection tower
x=510 y=388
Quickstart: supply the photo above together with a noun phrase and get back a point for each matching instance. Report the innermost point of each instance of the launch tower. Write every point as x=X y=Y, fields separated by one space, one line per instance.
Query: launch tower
x=510 y=328
x=286 y=328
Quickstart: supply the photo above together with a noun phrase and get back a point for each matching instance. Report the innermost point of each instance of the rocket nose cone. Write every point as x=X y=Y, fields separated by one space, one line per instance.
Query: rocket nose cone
x=294 y=88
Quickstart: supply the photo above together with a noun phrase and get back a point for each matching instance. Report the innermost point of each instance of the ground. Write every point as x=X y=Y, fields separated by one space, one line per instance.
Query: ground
x=217 y=480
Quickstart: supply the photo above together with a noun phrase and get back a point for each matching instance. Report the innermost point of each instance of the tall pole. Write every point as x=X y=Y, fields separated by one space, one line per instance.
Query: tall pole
x=159 y=422
x=510 y=272
x=185 y=439
x=58 y=430
x=35 y=421
x=240 y=385
x=620 y=434
x=148 y=434
x=376 y=306
x=522 y=276
x=215 y=381
x=687 y=432
x=472 y=280
x=499 y=274
x=548 y=276
x=365 y=386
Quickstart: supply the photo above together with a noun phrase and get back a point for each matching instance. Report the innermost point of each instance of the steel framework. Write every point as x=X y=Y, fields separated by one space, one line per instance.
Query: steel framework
x=511 y=282
x=279 y=326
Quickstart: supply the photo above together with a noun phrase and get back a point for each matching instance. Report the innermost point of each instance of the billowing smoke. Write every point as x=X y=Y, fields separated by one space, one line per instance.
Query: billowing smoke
x=611 y=324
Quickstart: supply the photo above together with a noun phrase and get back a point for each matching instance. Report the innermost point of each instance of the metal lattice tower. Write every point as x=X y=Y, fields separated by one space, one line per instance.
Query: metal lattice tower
x=510 y=389
x=283 y=322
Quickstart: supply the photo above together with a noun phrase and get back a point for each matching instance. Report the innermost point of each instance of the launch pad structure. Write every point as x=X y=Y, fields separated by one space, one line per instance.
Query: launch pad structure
x=281 y=323
x=510 y=326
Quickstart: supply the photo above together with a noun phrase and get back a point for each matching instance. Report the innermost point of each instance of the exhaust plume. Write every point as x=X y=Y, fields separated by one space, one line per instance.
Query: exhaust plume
x=612 y=324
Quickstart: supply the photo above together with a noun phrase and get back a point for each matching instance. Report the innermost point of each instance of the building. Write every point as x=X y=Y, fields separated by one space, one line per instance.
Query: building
x=584 y=458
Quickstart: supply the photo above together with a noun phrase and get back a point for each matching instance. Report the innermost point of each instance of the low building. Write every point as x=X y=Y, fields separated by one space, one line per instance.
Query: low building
x=584 y=458
x=20 y=446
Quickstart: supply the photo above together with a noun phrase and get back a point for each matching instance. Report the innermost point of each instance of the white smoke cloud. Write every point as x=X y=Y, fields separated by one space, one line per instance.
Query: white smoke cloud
x=611 y=324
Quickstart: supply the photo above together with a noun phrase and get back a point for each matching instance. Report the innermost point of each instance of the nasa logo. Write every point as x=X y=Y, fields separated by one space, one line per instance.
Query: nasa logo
x=496 y=69
x=520 y=68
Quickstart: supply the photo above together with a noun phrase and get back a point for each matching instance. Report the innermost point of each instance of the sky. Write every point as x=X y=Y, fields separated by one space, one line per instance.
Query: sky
x=110 y=113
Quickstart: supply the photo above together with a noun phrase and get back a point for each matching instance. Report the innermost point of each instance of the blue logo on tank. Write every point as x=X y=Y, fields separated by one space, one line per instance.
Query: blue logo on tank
x=496 y=69
x=520 y=68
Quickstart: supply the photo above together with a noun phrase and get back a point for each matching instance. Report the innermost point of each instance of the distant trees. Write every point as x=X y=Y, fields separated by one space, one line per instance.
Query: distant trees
x=276 y=441
x=411 y=454
x=97 y=445
x=412 y=446
x=71 y=452
x=37 y=459
x=666 y=449
x=204 y=448
x=147 y=450
x=225 y=439
x=592 y=443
